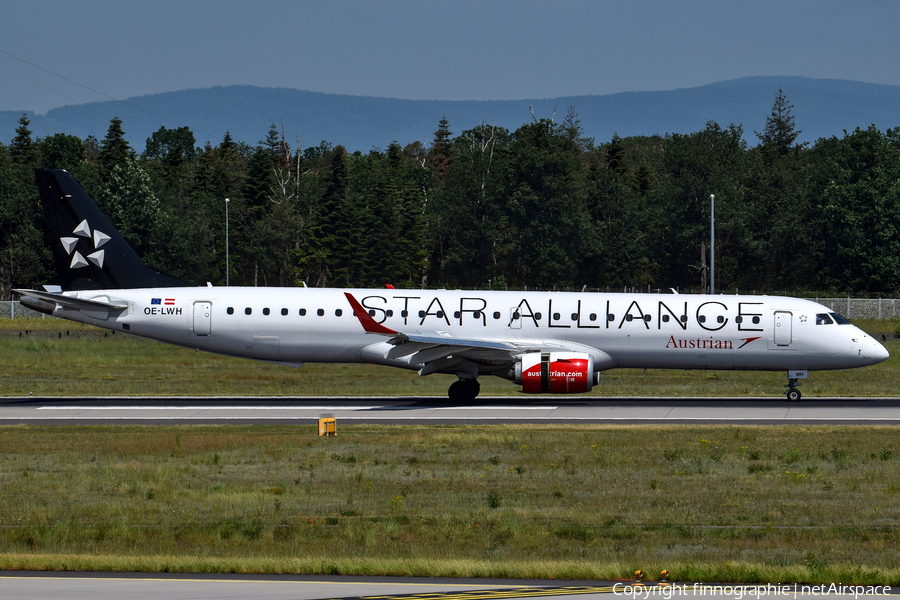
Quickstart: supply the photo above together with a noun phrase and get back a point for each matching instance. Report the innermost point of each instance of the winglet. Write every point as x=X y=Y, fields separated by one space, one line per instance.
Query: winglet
x=365 y=319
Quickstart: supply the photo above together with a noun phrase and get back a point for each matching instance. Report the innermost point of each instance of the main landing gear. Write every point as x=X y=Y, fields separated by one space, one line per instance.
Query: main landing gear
x=464 y=390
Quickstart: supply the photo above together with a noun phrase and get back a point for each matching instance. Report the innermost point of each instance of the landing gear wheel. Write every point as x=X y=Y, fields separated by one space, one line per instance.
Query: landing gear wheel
x=464 y=390
x=793 y=393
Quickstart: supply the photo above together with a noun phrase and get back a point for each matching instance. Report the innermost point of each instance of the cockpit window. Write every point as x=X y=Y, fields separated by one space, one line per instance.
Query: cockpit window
x=839 y=319
x=823 y=319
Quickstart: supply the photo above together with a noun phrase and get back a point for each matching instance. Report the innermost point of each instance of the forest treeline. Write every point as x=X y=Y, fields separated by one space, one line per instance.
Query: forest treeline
x=541 y=206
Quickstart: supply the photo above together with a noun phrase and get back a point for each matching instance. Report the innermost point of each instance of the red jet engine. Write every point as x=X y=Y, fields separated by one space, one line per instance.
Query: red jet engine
x=555 y=372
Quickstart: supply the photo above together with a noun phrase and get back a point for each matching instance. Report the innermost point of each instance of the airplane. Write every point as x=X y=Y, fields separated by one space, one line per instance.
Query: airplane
x=547 y=342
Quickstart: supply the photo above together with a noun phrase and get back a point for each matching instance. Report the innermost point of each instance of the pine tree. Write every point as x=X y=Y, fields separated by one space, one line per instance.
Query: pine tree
x=330 y=232
x=22 y=149
x=274 y=145
x=571 y=129
x=780 y=132
x=114 y=149
x=227 y=144
x=440 y=158
x=615 y=155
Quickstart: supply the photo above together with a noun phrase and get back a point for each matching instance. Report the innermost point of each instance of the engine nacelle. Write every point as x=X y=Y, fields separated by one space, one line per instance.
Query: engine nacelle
x=555 y=372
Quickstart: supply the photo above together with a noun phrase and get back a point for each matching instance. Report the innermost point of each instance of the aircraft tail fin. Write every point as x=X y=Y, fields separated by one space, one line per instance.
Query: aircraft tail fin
x=88 y=251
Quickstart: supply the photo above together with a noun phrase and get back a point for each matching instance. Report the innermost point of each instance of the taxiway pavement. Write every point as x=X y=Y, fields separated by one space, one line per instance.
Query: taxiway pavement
x=436 y=410
x=173 y=586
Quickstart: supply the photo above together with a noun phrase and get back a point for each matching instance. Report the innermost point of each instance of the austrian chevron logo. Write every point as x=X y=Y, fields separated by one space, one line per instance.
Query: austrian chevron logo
x=71 y=243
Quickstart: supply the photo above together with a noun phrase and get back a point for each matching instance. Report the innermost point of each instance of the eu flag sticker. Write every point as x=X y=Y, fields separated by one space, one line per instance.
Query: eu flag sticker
x=155 y=301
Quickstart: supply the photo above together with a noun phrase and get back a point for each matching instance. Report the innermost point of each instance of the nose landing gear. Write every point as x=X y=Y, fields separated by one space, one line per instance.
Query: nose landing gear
x=793 y=392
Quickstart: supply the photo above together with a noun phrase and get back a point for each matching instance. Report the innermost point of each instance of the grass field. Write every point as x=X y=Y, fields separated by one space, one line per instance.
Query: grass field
x=709 y=503
x=716 y=503
x=54 y=357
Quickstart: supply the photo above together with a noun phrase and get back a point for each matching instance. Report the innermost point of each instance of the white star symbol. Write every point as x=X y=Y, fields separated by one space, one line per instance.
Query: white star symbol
x=84 y=231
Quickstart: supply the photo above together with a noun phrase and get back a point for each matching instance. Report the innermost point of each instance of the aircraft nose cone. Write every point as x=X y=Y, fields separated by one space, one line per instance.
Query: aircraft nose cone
x=879 y=352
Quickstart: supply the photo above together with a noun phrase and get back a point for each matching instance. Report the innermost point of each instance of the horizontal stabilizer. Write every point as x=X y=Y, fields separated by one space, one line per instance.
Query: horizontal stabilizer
x=45 y=299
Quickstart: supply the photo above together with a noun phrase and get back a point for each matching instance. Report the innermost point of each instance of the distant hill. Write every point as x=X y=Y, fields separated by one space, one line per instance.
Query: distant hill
x=822 y=108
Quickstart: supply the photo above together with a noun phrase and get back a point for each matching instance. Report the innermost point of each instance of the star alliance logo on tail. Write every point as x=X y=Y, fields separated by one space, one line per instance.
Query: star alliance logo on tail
x=84 y=231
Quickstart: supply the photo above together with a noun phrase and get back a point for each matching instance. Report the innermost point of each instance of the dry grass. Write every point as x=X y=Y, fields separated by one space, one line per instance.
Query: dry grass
x=717 y=503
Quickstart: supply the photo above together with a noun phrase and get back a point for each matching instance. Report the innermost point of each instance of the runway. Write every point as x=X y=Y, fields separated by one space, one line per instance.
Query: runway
x=141 y=586
x=437 y=410
x=144 y=586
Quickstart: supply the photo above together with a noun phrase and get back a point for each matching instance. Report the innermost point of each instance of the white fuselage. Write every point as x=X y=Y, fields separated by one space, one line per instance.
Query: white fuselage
x=297 y=325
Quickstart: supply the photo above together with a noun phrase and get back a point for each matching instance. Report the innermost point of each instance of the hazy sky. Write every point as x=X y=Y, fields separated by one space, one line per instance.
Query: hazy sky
x=460 y=50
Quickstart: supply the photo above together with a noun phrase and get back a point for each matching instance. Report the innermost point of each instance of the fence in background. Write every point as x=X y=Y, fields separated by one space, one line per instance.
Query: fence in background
x=13 y=309
x=862 y=308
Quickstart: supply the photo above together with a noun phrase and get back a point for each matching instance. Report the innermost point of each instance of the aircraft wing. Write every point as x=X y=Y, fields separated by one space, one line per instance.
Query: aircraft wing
x=43 y=301
x=436 y=350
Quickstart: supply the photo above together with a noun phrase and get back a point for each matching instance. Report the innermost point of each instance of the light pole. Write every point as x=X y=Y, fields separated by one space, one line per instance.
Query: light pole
x=712 y=244
x=227 y=269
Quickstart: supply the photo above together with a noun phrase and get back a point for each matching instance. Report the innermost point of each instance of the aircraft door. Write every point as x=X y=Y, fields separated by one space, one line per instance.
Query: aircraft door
x=202 y=318
x=515 y=318
x=783 y=330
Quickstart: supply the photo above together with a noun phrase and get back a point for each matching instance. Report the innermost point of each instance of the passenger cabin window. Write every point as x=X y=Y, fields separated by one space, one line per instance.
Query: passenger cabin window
x=302 y=312
x=284 y=312
x=496 y=315
x=321 y=312
x=248 y=311
x=266 y=311
x=823 y=319
x=338 y=312
x=230 y=310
